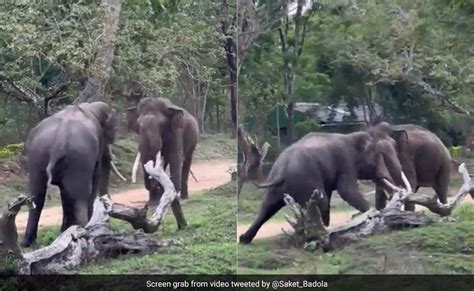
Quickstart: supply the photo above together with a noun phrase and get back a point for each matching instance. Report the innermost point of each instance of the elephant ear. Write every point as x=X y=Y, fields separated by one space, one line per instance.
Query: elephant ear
x=109 y=126
x=401 y=137
x=176 y=115
x=132 y=119
x=363 y=141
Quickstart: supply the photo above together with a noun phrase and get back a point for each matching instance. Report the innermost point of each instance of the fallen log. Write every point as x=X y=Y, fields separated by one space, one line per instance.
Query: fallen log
x=78 y=246
x=310 y=232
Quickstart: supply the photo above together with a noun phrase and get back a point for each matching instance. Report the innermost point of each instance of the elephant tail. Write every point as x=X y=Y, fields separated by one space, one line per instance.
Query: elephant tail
x=57 y=153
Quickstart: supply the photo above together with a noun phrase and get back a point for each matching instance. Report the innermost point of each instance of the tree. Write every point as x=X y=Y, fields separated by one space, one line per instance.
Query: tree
x=101 y=69
x=409 y=57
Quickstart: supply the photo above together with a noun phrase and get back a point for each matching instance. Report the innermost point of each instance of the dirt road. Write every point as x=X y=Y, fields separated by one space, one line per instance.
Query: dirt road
x=209 y=174
x=273 y=228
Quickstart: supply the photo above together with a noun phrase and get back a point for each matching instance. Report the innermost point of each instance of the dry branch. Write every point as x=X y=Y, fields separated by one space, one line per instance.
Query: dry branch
x=78 y=246
x=138 y=216
x=251 y=168
x=309 y=230
x=9 y=247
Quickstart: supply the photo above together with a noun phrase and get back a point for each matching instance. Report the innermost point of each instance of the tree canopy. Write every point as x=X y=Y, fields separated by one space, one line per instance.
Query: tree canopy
x=170 y=48
x=413 y=58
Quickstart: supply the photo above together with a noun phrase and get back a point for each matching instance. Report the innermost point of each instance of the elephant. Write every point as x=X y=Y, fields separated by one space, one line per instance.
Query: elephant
x=328 y=162
x=165 y=128
x=425 y=161
x=70 y=149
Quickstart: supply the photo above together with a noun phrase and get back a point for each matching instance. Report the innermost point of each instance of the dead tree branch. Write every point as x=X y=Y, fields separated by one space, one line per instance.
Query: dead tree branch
x=310 y=231
x=251 y=168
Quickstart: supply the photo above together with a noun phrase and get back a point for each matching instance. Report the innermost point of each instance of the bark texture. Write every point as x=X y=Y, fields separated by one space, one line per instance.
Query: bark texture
x=101 y=69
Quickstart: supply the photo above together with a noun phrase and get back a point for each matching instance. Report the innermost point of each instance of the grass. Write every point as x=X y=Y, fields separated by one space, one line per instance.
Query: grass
x=218 y=146
x=445 y=248
x=209 y=240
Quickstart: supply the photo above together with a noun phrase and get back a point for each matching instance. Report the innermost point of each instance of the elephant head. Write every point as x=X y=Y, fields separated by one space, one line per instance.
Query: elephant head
x=106 y=119
x=105 y=116
x=157 y=122
x=379 y=158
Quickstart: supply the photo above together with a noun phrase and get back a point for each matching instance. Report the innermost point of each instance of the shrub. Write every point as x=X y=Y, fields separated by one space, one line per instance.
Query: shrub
x=10 y=150
x=455 y=151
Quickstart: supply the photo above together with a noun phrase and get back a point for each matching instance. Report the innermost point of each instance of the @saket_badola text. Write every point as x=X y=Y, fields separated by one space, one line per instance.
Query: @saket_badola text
x=264 y=284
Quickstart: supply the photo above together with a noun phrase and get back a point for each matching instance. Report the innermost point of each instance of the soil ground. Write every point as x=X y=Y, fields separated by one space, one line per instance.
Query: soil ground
x=209 y=173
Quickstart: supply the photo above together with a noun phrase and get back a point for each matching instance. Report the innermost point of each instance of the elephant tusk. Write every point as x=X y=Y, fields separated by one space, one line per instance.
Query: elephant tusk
x=390 y=185
x=114 y=168
x=406 y=182
x=116 y=172
x=135 y=168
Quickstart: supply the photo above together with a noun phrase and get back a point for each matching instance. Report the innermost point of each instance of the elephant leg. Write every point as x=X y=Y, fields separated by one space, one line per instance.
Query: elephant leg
x=271 y=204
x=95 y=189
x=240 y=183
x=441 y=186
x=411 y=176
x=380 y=198
x=176 y=167
x=81 y=212
x=37 y=187
x=68 y=209
x=325 y=208
x=185 y=176
x=348 y=190
x=77 y=196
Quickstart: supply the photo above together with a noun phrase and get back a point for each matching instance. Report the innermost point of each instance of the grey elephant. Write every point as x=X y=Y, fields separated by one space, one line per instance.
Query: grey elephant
x=70 y=149
x=171 y=130
x=328 y=162
x=425 y=161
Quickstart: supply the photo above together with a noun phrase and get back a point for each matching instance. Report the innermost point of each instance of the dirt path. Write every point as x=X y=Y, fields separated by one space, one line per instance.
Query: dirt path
x=273 y=228
x=209 y=174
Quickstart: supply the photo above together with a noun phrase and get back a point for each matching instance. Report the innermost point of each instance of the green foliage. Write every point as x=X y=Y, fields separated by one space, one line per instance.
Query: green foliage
x=10 y=150
x=175 y=47
x=47 y=236
x=306 y=126
x=9 y=265
x=455 y=151
x=396 y=54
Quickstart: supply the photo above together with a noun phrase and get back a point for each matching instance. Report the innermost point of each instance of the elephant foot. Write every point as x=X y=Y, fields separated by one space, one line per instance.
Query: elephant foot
x=153 y=203
x=184 y=196
x=243 y=239
x=182 y=225
x=26 y=243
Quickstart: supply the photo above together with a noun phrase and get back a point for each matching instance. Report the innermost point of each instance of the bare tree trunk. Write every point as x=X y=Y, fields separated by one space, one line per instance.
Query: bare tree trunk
x=232 y=87
x=278 y=127
x=291 y=123
x=218 y=118
x=101 y=69
x=203 y=112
